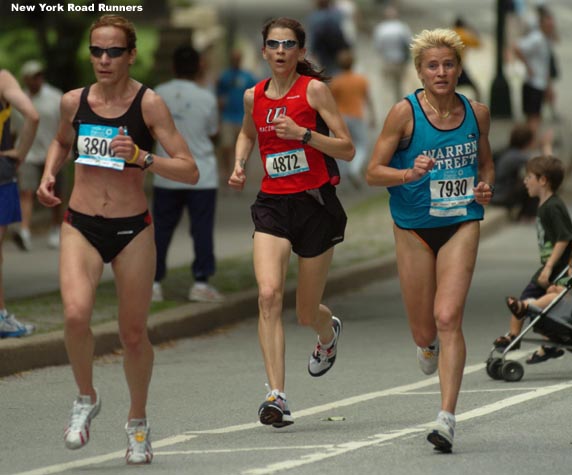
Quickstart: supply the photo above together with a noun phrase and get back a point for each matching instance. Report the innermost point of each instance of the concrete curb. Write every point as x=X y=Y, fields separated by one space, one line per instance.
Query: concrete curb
x=48 y=349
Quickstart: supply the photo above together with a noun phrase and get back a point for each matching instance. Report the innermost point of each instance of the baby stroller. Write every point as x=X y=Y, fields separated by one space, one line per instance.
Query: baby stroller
x=553 y=322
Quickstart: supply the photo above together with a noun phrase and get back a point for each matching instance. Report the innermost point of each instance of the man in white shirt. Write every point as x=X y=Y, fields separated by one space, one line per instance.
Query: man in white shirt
x=391 y=39
x=533 y=50
x=195 y=112
x=46 y=100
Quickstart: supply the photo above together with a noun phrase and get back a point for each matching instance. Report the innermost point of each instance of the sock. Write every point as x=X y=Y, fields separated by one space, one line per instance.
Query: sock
x=136 y=422
x=3 y=313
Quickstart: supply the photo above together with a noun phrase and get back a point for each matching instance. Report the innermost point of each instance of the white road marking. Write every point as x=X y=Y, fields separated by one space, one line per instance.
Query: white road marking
x=407 y=388
x=341 y=449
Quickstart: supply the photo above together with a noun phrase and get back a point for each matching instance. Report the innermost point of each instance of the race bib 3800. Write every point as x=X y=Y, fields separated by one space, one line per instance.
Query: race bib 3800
x=94 y=146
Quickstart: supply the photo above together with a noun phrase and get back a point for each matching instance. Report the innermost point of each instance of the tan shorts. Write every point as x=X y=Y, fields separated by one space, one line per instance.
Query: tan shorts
x=30 y=174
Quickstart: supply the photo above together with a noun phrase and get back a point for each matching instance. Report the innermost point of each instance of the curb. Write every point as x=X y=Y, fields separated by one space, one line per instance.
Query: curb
x=48 y=349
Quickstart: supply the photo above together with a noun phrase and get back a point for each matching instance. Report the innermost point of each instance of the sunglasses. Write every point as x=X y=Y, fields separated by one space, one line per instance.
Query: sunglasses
x=113 y=52
x=275 y=44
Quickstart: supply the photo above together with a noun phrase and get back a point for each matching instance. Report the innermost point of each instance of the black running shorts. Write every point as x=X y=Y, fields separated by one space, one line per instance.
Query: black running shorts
x=312 y=220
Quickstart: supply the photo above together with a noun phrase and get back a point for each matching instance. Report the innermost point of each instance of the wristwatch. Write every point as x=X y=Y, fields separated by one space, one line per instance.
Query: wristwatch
x=307 y=136
x=148 y=160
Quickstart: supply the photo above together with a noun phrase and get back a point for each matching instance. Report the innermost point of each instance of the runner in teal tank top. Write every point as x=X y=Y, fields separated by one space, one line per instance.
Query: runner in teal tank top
x=434 y=156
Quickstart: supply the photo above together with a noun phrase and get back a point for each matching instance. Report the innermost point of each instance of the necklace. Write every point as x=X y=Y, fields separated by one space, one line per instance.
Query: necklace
x=442 y=116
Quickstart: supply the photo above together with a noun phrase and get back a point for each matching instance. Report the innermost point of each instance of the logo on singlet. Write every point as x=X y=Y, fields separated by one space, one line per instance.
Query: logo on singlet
x=274 y=112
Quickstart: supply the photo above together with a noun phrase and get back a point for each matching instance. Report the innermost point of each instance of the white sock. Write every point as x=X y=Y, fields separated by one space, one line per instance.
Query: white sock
x=449 y=416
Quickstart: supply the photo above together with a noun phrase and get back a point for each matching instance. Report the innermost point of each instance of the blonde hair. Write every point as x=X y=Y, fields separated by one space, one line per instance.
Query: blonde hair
x=437 y=38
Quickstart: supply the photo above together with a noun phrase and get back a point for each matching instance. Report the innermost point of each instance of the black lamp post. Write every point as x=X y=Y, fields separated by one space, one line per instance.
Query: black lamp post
x=500 y=93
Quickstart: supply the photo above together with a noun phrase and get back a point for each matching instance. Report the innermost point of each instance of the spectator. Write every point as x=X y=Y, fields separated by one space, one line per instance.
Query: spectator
x=196 y=116
x=12 y=96
x=391 y=40
x=349 y=11
x=470 y=38
x=326 y=35
x=46 y=100
x=351 y=92
x=534 y=51
x=510 y=191
x=230 y=91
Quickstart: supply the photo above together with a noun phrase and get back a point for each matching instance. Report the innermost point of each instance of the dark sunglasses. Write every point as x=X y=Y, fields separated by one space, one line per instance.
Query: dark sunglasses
x=275 y=44
x=113 y=52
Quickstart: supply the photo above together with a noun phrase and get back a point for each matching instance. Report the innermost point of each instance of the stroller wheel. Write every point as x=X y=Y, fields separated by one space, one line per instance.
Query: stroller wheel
x=494 y=368
x=512 y=371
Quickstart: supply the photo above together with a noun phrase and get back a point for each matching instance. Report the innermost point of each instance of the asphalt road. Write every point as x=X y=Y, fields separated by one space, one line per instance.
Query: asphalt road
x=206 y=391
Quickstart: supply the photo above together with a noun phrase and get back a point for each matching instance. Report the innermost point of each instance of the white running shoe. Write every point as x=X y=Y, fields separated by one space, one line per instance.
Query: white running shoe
x=442 y=431
x=428 y=358
x=201 y=292
x=54 y=237
x=139 y=449
x=83 y=411
x=322 y=359
x=157 y=295
x=23 y=239
x=10 y=327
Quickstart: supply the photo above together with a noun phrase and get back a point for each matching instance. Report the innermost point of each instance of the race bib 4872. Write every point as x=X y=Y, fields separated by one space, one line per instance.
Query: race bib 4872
x=286 y=163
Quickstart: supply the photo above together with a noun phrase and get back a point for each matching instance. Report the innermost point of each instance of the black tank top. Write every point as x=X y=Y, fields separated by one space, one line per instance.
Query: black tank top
x=133 y=119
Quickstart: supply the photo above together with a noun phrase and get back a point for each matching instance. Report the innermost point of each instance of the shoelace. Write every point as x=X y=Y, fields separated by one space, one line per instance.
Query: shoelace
x=79 y=415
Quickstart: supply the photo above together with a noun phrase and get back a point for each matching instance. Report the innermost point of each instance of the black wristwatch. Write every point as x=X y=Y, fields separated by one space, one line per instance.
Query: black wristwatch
x=307 y=136
x=148 y=160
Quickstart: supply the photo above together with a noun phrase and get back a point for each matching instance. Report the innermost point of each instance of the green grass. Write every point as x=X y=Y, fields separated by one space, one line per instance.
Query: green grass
x=368 y=236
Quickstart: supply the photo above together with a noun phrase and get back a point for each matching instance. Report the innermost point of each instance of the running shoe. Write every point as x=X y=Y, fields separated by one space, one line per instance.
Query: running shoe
x=274 y=411
x=441 y=432
x=201 y=292
x=139 y=449
x=322 y=359
x=428 y=358
x=83 y=411
x=10 y=327
x=157 y=295
x=23 y=239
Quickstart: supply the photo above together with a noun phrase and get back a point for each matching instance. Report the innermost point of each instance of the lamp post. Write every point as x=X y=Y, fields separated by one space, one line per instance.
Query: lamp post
x=500 y=105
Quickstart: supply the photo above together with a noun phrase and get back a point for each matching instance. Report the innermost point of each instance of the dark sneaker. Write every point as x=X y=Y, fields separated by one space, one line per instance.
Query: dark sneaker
x=322 y=359
x=274 y=411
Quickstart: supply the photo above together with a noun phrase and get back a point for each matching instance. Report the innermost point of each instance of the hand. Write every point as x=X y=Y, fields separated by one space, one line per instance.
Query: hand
x=122 y=146
x=286 y=128
x=238 y=177
x=46 y=192
x=483 y=193
x=12 y=153
x=421 y=166
x=544 y=277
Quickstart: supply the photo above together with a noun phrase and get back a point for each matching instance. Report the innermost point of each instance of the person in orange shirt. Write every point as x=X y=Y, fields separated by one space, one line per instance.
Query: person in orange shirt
x=470 y=39
x=351 y=93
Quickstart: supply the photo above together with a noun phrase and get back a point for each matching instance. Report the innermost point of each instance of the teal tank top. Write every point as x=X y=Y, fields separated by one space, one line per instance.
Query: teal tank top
x=444 y=196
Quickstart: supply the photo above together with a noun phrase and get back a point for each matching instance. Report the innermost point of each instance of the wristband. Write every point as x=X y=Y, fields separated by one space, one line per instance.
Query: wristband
x=404 y=175
x=135 y=155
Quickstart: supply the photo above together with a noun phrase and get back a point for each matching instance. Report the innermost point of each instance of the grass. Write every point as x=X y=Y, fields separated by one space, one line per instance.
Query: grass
x=368 y=236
